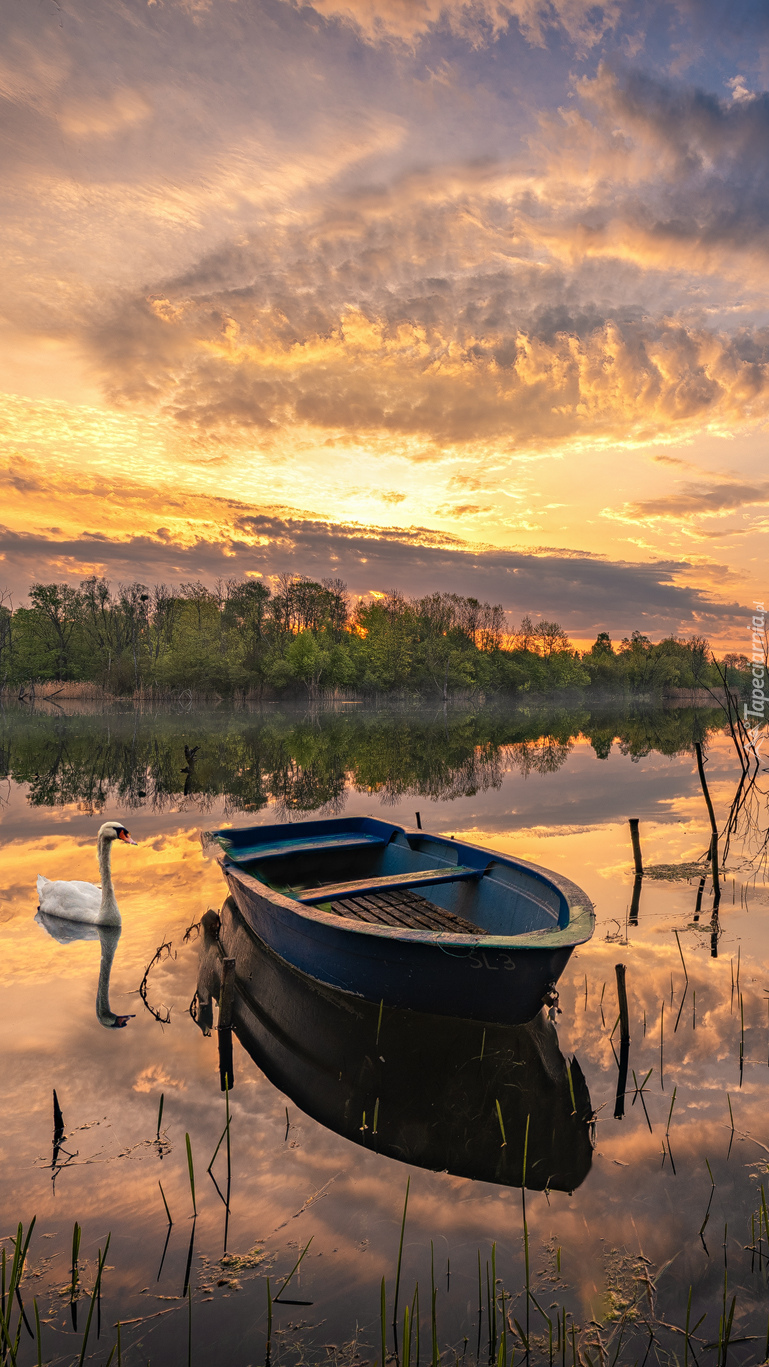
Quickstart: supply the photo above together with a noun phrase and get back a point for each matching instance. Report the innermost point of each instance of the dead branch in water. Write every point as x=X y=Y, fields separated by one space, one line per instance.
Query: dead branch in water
x=164 y=949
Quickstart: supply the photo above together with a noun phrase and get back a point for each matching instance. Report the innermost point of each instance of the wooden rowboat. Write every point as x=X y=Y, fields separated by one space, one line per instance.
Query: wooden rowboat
x=418 y=921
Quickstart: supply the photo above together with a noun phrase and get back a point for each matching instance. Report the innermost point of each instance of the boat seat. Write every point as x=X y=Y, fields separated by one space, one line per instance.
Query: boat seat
x=252 y=854
x=403 y=908
x=386 y=883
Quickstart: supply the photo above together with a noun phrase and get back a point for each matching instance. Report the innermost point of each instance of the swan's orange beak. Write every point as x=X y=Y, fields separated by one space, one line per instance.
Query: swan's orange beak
x=129 y=840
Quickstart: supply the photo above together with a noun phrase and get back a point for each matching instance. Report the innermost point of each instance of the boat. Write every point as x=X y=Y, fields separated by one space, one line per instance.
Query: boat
x=445 y=1094
x=419 y=921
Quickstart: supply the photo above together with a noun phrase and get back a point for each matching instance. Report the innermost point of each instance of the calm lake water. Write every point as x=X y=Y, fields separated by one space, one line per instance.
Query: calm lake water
x=617 y=1250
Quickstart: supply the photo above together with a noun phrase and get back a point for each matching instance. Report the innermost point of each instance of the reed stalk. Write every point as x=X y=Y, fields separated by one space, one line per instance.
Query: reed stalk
x=480 y=1310
x=670 y=1112
x=160 y=1115
x=192 y=1174
x=493 y=1298
x=742 y=1033
x=382 y=1313
x=525 y=1225
x=102 y=1258
x=21 y=1245
x=488 y=1311
x=433 y=1312
x=277 y=1297
x=764 y=1213
x=710 y=1198
x=681 y=952
x=571 y=1089
x=165 y=1203
x=76 y=1233
x=501 y=1125
x=38 y=1336
x=400 y=1254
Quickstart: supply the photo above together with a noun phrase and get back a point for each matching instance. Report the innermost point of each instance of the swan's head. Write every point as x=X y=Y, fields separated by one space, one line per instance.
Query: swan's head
x=113 y=830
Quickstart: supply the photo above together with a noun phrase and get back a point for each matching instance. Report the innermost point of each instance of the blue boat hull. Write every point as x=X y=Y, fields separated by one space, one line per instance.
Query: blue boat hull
x=519 y=923
x=506 y=986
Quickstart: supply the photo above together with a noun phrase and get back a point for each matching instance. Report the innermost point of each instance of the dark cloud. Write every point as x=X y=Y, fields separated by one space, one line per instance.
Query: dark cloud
x=694 y=499
x=696 y=166
x=585 y=593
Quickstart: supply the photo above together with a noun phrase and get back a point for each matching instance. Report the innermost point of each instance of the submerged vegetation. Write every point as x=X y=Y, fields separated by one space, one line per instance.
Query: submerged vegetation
x=307 y=638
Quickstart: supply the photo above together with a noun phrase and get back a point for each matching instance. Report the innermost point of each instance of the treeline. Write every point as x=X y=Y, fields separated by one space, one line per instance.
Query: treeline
x=307 y=637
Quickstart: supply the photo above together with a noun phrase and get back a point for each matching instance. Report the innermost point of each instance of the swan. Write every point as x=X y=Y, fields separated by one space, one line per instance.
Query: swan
x=84 y=902
x=64 y=932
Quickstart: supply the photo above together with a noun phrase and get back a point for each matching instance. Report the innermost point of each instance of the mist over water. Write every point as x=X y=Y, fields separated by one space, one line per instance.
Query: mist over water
x=621 y=1248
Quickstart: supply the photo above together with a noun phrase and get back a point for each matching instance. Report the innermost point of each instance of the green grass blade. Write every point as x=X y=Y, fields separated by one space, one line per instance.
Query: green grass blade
x=96 y=1287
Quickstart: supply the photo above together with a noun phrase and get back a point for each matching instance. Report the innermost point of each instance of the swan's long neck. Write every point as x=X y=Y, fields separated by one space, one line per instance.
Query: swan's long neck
x=108 y=911
x=109 y=939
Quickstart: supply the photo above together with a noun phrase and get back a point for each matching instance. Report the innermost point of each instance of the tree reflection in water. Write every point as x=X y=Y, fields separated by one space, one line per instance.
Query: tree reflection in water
x=304 y=762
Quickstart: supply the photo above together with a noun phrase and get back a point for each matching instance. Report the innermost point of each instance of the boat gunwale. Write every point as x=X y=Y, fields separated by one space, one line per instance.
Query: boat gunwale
x=579 y=929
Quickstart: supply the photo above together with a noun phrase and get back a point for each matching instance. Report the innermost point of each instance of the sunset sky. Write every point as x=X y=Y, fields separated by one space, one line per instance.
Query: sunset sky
x=425 y=295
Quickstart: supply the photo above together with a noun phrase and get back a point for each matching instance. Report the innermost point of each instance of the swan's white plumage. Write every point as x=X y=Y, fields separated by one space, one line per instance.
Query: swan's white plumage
x=74 y=901
x=84 y=902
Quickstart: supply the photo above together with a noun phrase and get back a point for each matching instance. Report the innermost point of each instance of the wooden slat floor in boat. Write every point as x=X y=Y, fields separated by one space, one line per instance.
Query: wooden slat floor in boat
x=402 y=907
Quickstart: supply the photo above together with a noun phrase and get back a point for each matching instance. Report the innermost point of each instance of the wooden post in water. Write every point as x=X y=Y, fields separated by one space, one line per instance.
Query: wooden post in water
x=224 y=1032
x=624 y=1058
x=624 y=1019
x=636 y=839
x=227 y=994
x=713 y=851
x=624 y=1034
x=635 y=901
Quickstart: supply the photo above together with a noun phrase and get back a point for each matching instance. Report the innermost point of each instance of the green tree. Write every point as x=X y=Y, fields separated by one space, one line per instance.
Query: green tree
x=55 y=617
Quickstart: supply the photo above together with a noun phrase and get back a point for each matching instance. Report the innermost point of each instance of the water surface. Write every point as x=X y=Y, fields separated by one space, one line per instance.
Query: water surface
x=614 y=1241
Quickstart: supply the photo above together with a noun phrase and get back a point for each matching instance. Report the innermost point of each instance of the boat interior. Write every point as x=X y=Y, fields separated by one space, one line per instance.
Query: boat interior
x=369 y=870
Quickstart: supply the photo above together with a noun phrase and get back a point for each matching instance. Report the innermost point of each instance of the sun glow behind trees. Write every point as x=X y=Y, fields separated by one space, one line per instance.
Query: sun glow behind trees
x=306 y=638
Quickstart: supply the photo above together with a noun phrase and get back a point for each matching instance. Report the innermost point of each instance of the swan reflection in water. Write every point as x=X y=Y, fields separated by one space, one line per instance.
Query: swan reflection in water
x=64 y=932
x=441 y=1093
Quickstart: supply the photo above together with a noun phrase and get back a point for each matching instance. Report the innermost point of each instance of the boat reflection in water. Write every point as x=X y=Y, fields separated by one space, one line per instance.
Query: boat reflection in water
x=423 y=1089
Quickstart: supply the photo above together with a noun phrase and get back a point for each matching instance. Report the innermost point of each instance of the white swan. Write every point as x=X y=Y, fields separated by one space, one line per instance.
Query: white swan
x=65 y=932
x=84 y=902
